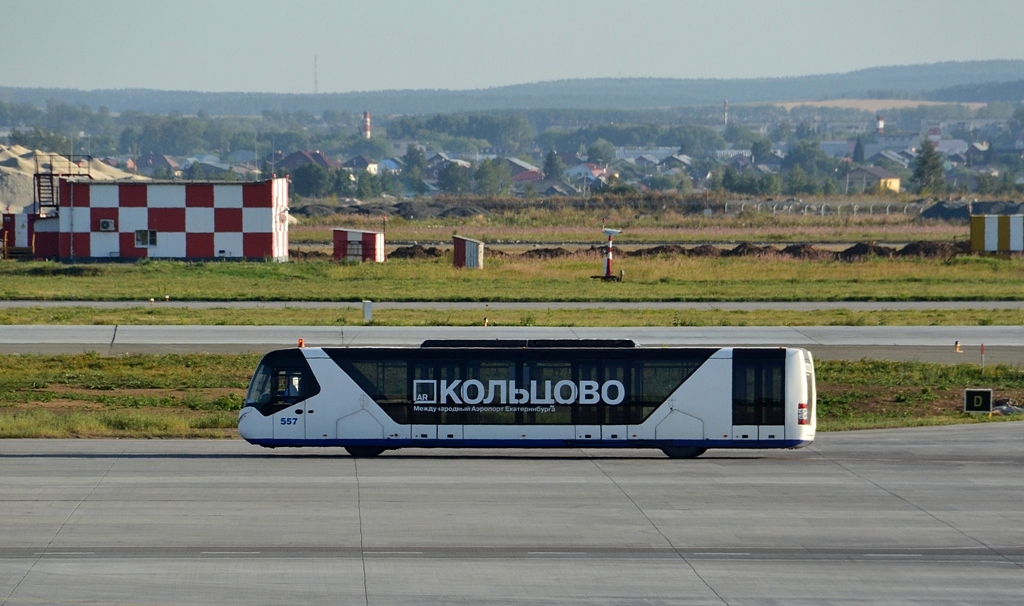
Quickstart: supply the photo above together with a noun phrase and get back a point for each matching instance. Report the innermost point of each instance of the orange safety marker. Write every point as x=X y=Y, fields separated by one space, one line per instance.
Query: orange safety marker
x=302 y=342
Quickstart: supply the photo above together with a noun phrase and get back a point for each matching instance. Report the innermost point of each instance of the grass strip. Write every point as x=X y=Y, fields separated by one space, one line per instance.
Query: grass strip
x=596 y=317
x=568 y=278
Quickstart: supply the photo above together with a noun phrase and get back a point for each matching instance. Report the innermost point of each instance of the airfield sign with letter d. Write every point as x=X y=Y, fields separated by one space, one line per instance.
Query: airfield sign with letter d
x=977 y=400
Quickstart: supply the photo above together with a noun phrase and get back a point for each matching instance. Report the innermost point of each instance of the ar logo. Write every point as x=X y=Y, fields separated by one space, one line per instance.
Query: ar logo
x=424 y=392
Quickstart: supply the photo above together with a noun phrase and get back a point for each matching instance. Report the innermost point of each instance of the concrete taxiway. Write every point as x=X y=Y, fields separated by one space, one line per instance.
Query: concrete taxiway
x=1003 y=344
x=929 y=515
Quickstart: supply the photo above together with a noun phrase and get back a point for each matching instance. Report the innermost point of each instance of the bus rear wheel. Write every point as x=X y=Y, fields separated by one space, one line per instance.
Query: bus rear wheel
x=680 y=452
x=363 y=452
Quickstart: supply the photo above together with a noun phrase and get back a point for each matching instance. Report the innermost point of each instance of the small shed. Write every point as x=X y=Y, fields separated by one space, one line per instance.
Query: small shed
x=358 y=245
x=468 y=253
x=997 y=233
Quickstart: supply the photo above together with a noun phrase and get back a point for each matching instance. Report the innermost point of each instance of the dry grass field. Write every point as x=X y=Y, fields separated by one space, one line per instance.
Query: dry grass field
x=873 y=105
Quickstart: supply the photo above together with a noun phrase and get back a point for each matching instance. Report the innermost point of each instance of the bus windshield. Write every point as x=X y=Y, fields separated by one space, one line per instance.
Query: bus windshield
x=261 y=387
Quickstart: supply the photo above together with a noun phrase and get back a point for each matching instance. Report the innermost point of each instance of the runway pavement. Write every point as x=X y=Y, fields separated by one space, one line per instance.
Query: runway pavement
x=1003 y=344
x=929 y=515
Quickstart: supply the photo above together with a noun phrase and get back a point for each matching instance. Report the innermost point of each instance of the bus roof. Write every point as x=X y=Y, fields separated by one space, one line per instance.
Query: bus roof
x=527 y=343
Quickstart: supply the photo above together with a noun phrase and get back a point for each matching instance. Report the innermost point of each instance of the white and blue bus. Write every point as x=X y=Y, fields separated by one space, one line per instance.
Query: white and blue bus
x=532 y=394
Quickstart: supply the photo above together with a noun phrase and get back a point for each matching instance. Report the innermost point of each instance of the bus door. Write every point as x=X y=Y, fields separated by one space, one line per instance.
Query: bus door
x=290 y=387
x=449 y=413
x=759 y=394
x=425 y=390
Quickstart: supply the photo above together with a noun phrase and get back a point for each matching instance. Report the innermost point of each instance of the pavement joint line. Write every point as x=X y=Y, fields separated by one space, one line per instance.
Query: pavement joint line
x=61 y=527
x=667 y=540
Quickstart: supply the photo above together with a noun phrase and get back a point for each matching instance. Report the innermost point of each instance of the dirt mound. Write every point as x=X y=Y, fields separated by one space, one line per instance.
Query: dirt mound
x=947 y=211
x=462 y=212
x=416 y=251
x=495 y=253
x=667 y=249
x=314 y=210
x=705 y=250
x=928 y=250
x=985 y=207
x=296 y=254
x=747 y=249
x=862 y=249
x=420 y=209
x=546 y=253
x=807 y=252
x=958 y=210
x=370 y=210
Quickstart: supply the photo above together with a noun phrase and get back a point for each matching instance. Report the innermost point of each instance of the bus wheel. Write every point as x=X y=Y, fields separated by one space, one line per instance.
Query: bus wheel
x=363 y=452
x=679 y=452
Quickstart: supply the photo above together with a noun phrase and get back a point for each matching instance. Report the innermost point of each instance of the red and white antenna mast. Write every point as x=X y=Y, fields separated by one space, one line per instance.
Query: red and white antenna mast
x=611 y=233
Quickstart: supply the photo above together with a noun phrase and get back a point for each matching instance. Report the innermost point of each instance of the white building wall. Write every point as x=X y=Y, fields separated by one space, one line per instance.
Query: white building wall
x=257 y=219
x=227 y=196
x=131 y=219
x=199 y=220
x=104 y=197
x=991 y=232
x=1017 y=233
x=166 y=196
x=169 y=245
x=105 y=244
x=229 y=242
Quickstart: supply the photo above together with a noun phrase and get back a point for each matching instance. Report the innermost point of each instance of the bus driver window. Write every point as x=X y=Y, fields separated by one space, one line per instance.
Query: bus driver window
x=289 y=385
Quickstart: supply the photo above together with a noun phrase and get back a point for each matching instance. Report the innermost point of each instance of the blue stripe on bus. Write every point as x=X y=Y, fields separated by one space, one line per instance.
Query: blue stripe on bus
x=453 y=443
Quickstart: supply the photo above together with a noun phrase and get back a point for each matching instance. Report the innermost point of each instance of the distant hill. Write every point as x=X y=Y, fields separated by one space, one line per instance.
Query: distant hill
x=1012 y=92
x=909 y=81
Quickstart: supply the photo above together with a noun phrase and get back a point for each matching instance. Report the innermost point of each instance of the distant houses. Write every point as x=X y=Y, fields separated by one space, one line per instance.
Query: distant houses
x=872 y=179
x=836 y=156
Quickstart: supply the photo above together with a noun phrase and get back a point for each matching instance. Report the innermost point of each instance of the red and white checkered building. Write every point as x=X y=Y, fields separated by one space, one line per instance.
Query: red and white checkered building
x=358 y=245
x=103 y=220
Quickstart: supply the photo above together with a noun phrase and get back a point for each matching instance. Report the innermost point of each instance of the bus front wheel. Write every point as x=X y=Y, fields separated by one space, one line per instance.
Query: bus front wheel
x=680 y=452
x=363 y=452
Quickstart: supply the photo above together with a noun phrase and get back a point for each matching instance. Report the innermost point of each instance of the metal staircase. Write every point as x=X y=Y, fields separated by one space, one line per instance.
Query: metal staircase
x=50 y=169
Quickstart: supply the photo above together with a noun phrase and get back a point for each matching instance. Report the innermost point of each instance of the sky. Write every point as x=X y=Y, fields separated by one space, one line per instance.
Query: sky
x=342 y=46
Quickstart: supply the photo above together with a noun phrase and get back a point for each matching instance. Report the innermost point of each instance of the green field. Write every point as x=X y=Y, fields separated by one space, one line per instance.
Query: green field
x=198 y=395
x=163 y=314
x=660 y=278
